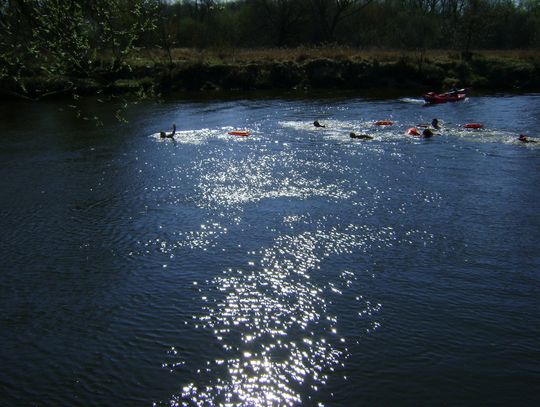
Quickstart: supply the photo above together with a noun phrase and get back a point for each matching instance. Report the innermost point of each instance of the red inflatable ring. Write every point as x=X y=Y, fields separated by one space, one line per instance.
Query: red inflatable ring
x=239 y=133
x=383 y=123
x=413 y=131
x=473 y=125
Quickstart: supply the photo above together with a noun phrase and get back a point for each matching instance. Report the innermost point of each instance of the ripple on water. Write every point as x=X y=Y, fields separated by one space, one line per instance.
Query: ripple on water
x=232 y=183
x=313 y=228
x=272 y=318
x=206 y=236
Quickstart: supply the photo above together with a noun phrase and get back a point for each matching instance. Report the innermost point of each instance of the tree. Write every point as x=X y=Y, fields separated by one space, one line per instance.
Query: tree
x=167 y=29
x=284 y=16
x=69 y=38
x=473 y=24
x=330 y=13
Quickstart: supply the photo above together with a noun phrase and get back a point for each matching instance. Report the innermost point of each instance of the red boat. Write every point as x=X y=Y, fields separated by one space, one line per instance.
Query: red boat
x=454 y=96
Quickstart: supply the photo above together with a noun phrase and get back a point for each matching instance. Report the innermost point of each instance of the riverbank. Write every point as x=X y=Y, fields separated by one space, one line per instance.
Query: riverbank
x=302 y=68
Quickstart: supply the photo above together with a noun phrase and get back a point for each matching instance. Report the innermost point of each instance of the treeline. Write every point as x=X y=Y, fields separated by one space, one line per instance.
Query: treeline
x=395 y=24
x=55 y=45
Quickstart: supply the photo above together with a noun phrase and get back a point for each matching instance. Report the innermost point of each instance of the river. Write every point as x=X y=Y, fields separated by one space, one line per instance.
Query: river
x=293 y=266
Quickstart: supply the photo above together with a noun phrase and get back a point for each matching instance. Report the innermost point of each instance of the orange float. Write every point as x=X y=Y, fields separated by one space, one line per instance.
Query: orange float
x=413 y=131
x=383 y=123
x=473 y=125
x=238 y=133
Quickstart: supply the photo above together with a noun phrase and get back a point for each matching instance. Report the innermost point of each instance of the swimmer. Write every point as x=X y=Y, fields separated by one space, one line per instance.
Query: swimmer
x=360 y=136
x=434 y=125
x=413 y=131
x=523 y=138
x=454 y=91
x=317 y=124
x=163 y=134
x=427 y=133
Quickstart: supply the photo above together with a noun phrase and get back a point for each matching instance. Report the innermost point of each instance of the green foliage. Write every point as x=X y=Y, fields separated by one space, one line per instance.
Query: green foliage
x=464 y=25
x=59 y=46
x=69 y=38
x=86 y=38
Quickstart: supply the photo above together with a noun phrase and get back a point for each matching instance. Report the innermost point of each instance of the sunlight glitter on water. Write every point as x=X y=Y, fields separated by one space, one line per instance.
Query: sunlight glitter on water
x=272 y=317
x=258 y=312
x=262 y=306
x=232 y=183
x=296 y=266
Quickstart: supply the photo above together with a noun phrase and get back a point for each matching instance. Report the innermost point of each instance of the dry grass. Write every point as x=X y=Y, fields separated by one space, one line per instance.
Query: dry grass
x=240 y=55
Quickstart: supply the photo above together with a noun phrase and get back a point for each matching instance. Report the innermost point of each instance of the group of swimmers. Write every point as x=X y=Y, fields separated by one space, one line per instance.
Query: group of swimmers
x=426 y=133
x=413 y=131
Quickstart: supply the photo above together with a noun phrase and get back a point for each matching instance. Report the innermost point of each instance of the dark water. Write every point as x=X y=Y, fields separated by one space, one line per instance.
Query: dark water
x=295 y=266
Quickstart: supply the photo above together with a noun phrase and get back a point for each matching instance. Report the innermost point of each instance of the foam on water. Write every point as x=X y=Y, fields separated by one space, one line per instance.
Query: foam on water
x=201 y=136
x=413 y=100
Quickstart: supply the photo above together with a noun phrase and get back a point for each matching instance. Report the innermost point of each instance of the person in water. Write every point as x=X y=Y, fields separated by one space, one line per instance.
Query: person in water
x=434 y=124
x=317 y=124
x=523 y=138
x=360 y=136
x=163 y=134
x=427 y=133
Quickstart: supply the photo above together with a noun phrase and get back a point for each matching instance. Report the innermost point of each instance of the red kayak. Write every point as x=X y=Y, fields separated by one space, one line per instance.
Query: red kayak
x=432 y=97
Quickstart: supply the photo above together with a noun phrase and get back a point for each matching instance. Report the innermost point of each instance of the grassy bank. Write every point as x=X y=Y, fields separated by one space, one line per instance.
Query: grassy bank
x=152 y=72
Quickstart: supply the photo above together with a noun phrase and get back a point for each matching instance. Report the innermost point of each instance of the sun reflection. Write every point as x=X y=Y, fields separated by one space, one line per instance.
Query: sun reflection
x=233 y=183
x=271 y=318
x=264 y=308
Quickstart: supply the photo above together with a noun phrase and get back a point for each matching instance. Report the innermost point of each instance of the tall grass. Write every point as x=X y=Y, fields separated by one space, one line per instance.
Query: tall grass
x=301 y=54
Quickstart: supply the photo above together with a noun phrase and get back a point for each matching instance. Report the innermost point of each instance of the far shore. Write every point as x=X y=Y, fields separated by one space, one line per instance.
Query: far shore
x=157 y=73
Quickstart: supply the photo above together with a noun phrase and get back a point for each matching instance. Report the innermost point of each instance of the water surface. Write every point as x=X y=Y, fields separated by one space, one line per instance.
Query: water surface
x=293 y=266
